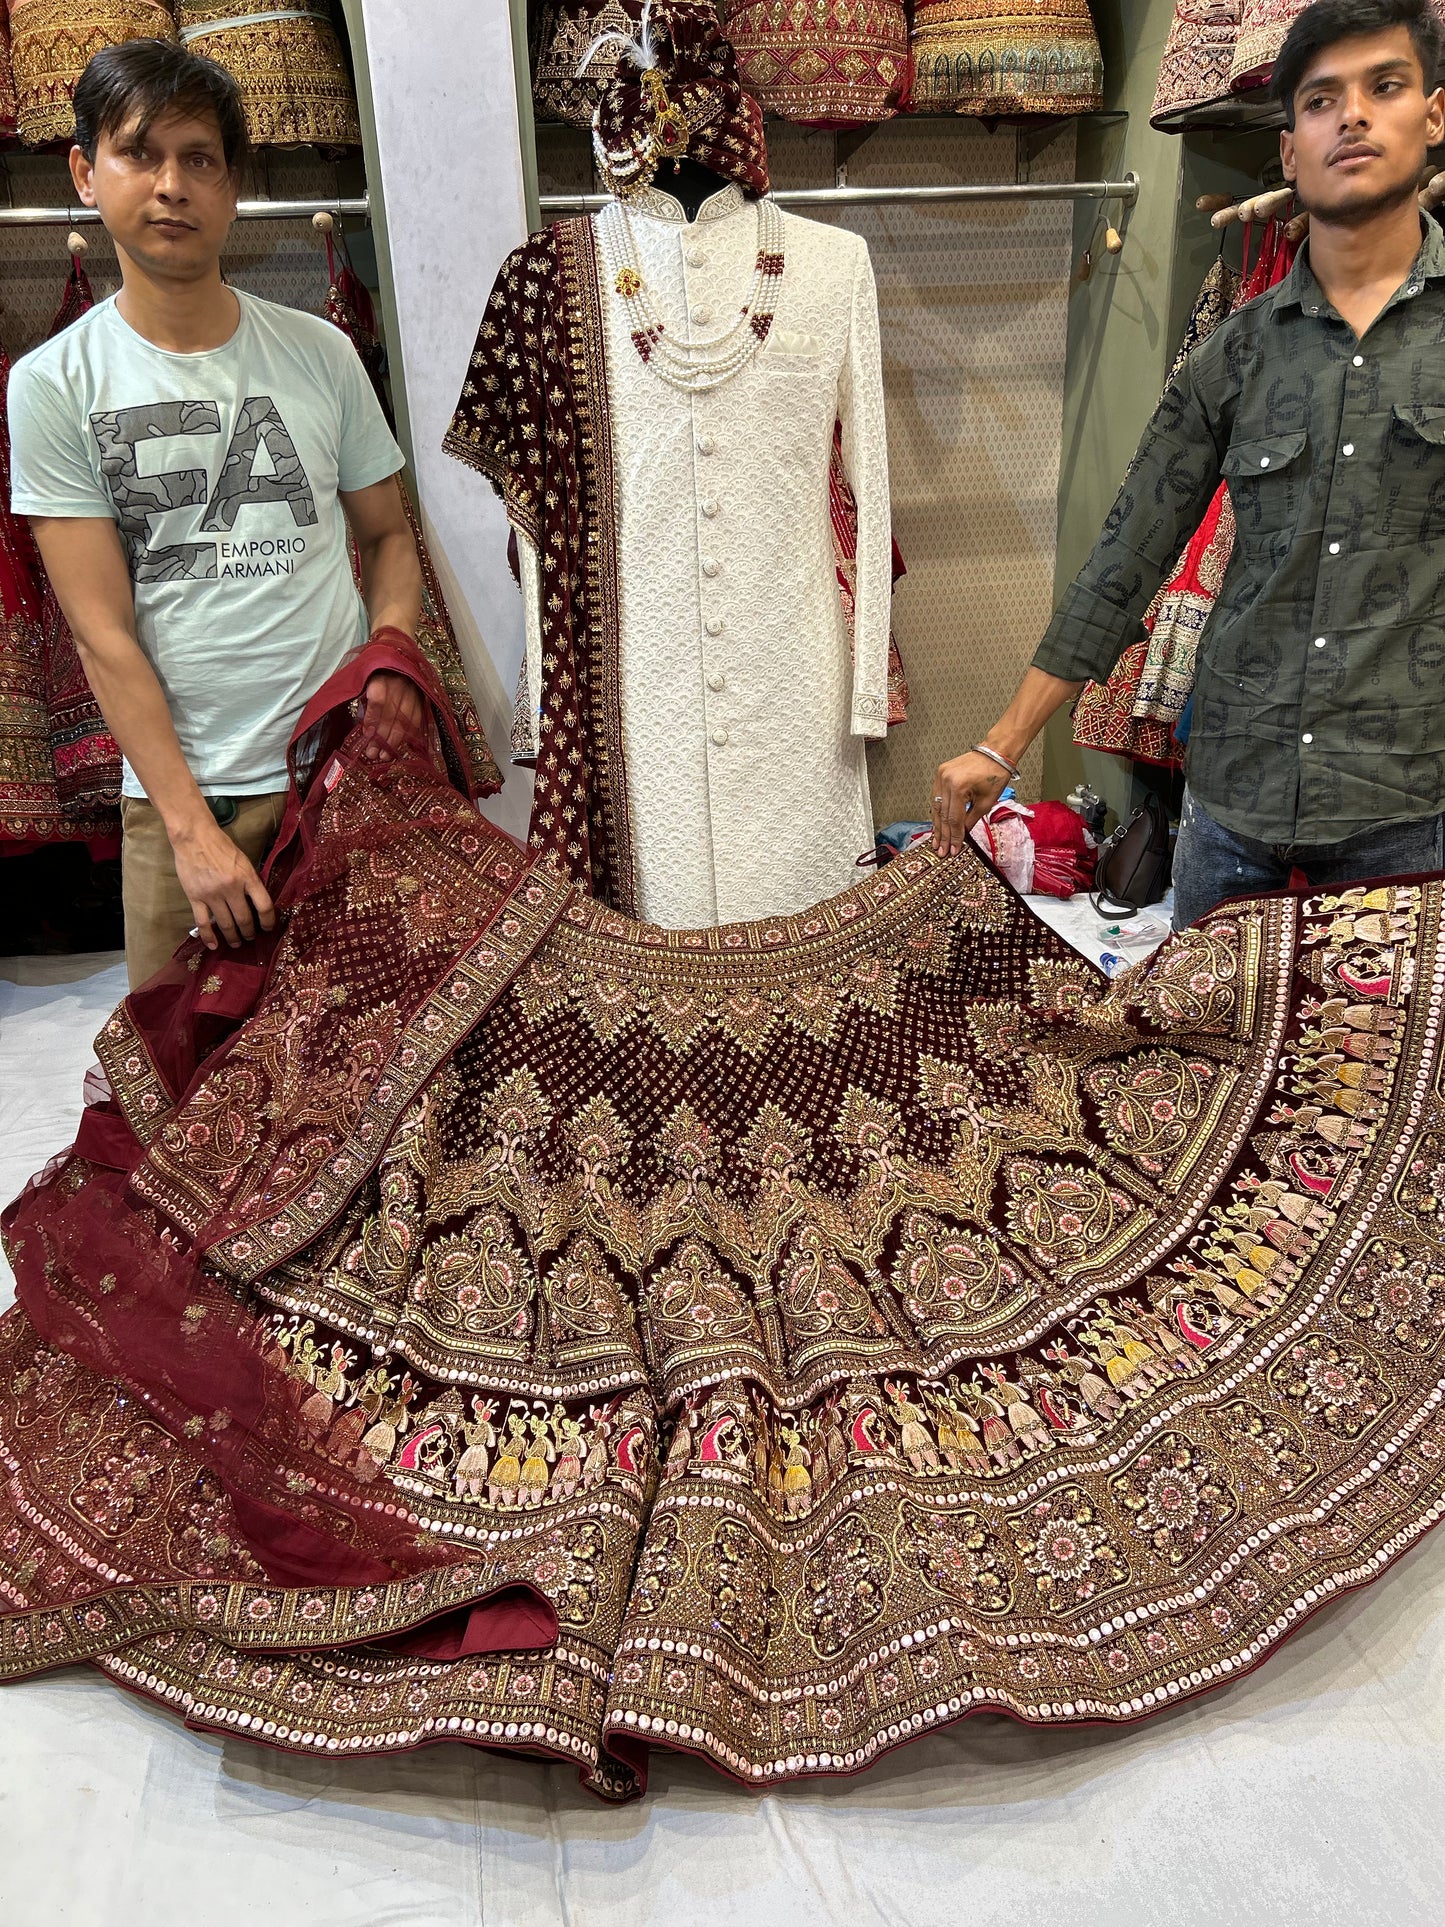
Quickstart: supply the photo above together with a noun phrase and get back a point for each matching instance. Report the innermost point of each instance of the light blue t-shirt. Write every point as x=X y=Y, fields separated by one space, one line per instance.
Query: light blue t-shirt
x=222 y=471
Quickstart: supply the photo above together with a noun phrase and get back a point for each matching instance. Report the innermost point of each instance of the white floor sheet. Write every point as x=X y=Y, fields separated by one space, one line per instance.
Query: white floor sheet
x=1311 y=1792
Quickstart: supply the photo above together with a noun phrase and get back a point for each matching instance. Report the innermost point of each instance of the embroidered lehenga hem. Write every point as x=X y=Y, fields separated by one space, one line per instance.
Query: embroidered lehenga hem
x=772 y=1342
x=288 y=64
x=985 y=58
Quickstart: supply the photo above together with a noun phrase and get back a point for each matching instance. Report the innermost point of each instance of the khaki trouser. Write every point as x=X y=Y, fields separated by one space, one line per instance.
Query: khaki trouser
x=158 y=915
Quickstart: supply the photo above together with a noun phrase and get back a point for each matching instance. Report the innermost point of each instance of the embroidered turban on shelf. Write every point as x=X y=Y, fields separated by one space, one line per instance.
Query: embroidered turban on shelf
x=676 y=94
x=51 y=44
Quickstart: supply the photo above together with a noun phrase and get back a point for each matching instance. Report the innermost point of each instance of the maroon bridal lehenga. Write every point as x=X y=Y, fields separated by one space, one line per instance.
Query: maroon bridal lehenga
x=479 y=1316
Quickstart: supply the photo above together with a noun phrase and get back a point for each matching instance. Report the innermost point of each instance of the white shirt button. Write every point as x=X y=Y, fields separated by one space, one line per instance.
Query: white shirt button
x=709 y=565
x=1359 y=361
x=1334 y=548
x=719 y=736
x=1306 y=738
x=1264 y=461
x=716 y=682
x=710 y=507
x=705 y=445
x=714 y=625
x=702 y=315
x=1349 y=448
x=1320 y=642
x=695 y=257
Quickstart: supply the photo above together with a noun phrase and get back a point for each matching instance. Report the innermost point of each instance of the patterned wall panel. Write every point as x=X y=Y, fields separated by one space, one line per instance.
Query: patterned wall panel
x=973 y=303
x=279 y=260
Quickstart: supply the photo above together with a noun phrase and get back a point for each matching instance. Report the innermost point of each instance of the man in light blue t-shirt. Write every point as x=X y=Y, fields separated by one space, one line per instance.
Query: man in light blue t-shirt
x=191 y=458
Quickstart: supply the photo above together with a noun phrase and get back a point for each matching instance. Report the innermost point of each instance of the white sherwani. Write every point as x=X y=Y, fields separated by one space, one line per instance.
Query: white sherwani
x=744 y=713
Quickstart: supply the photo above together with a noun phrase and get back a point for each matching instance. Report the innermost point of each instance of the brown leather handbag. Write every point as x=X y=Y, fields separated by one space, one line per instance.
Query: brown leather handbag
x=1134 y=863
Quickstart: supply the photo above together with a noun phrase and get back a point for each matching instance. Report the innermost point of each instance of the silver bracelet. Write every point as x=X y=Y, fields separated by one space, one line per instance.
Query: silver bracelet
x=982 y=749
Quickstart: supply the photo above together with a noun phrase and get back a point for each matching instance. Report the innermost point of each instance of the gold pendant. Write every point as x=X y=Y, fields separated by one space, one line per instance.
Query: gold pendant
x=669 y=126
x=670 y=130
x=628 y=283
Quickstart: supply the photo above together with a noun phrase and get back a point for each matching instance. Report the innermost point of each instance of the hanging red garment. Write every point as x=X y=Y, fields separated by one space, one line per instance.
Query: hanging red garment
x=84 y=754
x=9 y=105
x=29 y=811
x=59 y=764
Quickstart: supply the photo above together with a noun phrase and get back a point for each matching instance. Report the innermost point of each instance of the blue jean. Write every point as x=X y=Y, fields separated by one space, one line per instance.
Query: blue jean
x=1212 y=863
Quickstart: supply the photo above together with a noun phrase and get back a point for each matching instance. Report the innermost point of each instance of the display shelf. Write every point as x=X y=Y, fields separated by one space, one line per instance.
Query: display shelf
x=1098 y=117
x=1252 y=113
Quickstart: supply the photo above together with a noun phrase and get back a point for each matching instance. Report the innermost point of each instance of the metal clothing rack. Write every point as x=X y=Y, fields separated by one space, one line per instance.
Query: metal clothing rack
x=1125 y=192
x=358 y=205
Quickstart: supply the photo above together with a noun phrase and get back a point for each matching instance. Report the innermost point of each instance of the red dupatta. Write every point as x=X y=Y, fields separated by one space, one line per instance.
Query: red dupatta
x=121 y=1286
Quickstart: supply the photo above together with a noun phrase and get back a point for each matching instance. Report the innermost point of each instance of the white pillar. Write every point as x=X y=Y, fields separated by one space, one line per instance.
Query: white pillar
x=449 y=157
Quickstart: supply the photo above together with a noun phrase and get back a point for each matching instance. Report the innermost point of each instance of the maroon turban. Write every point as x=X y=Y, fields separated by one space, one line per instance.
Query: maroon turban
x=676 y=94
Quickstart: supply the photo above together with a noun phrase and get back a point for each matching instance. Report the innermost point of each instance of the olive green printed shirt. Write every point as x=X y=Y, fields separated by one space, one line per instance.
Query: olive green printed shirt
x=1319 y=698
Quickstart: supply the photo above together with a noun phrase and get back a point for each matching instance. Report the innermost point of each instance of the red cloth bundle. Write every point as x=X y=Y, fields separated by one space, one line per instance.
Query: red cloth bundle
x=1039 y=847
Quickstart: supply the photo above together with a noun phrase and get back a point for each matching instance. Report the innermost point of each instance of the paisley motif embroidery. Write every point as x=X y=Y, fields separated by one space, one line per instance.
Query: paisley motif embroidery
x=840 y=1324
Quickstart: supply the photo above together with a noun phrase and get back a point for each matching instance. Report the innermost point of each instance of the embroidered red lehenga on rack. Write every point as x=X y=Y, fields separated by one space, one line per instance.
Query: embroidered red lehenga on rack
x=488 y=1318
x=59 y=764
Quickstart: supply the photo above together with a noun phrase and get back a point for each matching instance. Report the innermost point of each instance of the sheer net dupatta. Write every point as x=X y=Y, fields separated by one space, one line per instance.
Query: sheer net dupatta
x=173 y=1476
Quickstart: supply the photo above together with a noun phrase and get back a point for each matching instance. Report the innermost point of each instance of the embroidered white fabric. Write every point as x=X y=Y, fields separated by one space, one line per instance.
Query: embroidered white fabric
x=744 y=713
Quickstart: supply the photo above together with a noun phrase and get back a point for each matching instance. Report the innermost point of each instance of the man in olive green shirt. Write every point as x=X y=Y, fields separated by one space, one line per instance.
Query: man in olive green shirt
x=1318 y=736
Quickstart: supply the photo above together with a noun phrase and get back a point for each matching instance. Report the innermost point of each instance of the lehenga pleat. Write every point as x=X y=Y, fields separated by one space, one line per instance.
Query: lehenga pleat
x=796 y=1335
x=53 y=41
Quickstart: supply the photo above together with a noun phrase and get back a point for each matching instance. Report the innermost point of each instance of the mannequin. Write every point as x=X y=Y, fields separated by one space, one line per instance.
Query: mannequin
x=689 y=183
x=695 y=702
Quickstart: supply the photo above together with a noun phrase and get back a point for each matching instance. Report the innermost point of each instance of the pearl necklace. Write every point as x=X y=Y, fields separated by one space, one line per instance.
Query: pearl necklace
x=709 y=362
